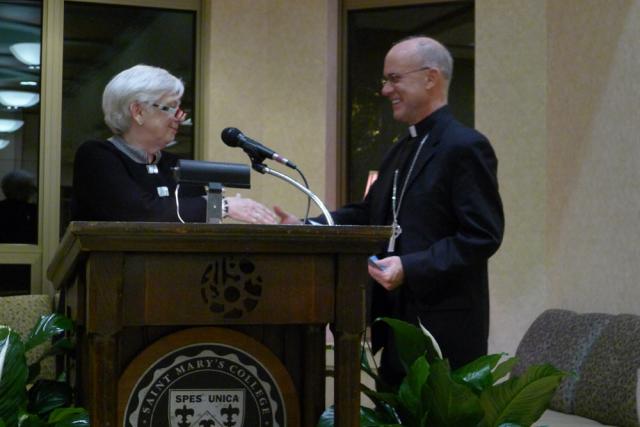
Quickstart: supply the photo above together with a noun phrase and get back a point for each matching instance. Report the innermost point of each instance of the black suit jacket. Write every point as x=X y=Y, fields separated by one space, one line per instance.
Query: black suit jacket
x=452 y=222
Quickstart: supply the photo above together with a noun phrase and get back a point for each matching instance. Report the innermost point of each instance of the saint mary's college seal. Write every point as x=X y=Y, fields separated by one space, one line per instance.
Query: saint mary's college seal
x=207 y=377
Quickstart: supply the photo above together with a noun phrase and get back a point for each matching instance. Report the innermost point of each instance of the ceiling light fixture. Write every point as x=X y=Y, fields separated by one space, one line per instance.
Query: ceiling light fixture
x=9 y=125
x=4 y=143
x=18 y=99
x=28 y=83
x=27 y=53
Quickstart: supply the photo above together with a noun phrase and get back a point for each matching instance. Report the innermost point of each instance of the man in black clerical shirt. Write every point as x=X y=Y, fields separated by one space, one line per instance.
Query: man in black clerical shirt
x=438 y=189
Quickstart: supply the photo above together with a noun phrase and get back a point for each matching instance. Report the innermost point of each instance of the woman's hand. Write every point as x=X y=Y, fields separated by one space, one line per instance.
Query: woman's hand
x=248 y=210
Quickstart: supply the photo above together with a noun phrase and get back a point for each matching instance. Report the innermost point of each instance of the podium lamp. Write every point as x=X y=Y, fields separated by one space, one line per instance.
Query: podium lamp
x=215 y=176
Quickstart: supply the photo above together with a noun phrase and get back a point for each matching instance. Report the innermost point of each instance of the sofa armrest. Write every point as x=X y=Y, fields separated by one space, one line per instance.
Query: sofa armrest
x=607 y=388
x=562 y=338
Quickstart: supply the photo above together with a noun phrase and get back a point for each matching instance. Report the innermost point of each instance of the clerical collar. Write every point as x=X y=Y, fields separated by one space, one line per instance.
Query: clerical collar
x=136 y=154
x=425 y=125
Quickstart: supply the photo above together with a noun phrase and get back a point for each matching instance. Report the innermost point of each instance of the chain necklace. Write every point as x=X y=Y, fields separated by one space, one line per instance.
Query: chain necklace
x=396 y=229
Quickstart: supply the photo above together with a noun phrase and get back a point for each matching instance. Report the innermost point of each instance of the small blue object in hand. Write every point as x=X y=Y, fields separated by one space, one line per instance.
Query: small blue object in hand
x=373 y=262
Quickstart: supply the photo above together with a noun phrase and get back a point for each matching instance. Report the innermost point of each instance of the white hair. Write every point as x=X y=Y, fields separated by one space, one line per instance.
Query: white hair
x=140 y=83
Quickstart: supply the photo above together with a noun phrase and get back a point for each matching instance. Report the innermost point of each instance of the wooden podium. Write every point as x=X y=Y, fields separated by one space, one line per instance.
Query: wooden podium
x=130 y=286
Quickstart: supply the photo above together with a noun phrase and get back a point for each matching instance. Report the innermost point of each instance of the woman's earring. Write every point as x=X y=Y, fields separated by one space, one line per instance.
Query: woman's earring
x=139 y=120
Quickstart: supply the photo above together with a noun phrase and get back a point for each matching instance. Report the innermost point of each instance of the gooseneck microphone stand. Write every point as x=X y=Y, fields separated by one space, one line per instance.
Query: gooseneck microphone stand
x=262 y=168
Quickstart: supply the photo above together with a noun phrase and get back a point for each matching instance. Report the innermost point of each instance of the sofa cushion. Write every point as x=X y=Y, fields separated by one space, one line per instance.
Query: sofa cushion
x=607 y=389
x=638 y=396
x=21 y=312
x=558 y=419
x=562 y=338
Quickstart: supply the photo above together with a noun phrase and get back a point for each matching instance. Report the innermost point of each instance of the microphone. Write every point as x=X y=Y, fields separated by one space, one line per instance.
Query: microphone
x=256 y=151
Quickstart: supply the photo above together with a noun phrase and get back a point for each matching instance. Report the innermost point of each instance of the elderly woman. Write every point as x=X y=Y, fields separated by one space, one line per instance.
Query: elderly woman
x=128 y=177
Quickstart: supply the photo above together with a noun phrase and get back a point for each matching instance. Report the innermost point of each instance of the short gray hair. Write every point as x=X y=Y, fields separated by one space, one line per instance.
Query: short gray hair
x=433 y=54
x=140 y=83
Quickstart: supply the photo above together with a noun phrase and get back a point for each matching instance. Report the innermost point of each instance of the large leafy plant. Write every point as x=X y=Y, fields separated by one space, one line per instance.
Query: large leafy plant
x=25 y=399
x=431 y=395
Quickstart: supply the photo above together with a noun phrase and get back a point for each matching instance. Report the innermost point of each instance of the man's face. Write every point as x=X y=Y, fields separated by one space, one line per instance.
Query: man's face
x=407 y=84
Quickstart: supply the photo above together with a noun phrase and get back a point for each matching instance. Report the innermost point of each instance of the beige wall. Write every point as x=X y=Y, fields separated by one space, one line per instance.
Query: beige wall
x=511 y=110
x=559 y=97
x=593 y=249
x=271 y=77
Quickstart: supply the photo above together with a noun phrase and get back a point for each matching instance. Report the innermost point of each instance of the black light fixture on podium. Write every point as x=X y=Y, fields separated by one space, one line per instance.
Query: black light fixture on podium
x=215 y=176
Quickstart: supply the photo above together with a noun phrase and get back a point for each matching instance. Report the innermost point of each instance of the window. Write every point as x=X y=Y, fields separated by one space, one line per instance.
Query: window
x=20 y=38
x=20 y=42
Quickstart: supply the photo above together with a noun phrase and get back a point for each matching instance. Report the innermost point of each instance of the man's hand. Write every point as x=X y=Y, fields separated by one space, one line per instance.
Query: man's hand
x=392 y=274
x=286 y=218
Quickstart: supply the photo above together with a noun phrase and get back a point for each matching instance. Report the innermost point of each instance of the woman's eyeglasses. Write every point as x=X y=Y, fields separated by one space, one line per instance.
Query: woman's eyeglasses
x=173 y=111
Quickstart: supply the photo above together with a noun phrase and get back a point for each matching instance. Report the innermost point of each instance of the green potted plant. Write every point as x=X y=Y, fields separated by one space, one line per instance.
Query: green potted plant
x=25 y=399
x=478 y=394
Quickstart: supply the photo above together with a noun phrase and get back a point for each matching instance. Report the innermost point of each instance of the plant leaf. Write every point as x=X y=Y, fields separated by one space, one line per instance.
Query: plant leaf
x=47 y=327
x=379 y=398
x=434 y=352
x=47 y=395
x=34 y=371
x=327 y=419
x=384 y=402
x=13 y=375
x=370 y=418
x=410 y=342
x=365 y=366
x=504 y=369
x=521 y=400
x=62 y=346
x=477 y=374
x=30 y=420
x=372 y=374
x=424 y=422
x=411 y=390
x=69 y=417
x=450 y=403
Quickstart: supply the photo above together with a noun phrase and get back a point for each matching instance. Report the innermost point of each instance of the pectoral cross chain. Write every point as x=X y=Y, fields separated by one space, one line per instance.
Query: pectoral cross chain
x=395 y=203
x=395 y=233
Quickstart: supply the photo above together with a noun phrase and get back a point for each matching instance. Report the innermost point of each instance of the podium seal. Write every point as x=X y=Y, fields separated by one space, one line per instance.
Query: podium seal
x=207 y=384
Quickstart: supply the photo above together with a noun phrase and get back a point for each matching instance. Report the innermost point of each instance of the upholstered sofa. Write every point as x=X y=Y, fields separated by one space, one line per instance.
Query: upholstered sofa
x=603 y=351
x=21 y=312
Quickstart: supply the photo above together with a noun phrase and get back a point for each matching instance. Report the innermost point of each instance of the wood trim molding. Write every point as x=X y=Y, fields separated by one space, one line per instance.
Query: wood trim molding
x=164 y=4
x=50 y=132
x=372 y=4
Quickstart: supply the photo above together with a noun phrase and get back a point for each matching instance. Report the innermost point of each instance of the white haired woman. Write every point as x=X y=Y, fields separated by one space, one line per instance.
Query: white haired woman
x=128 y=177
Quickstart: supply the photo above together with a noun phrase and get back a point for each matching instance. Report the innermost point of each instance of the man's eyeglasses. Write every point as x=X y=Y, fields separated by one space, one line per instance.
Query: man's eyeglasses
x=394 y=78
x=173 y=111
